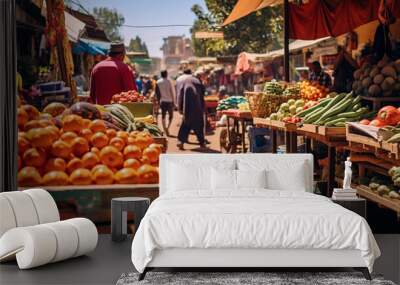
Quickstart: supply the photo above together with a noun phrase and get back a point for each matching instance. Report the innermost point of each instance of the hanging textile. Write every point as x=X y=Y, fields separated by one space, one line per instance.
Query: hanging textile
x=321 y=18
x=314 y=19
x=57 y=38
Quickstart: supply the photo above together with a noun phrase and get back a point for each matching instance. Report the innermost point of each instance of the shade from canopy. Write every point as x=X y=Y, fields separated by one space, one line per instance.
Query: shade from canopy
x=246 y=60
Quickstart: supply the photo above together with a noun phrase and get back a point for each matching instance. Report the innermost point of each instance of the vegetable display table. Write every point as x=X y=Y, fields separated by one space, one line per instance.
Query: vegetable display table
x=289 y=130
x=119 y=209
x=332 y=137
x=237 y=136
x=211 y=114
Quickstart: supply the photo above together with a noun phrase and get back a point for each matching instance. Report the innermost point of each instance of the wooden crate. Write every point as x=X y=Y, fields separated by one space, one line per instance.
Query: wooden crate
x=309 y=128
x=275 y=124
x=353 y=135
x=332 y=131
x=163 y=141
x=393 y=204
x=261 y=121
x=367 y=193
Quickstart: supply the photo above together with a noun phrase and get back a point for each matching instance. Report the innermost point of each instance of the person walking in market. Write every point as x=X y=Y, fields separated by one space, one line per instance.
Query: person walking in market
x=318 y=75
x=180 y=80
x=111 y=76
x=191 y=105
x=166 y=98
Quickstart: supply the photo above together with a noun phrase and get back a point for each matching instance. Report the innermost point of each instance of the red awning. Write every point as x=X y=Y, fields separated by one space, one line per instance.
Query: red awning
x=318 y=18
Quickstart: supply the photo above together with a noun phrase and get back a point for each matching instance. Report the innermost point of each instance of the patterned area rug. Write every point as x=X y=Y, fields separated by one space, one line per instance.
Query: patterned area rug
x=243 y=278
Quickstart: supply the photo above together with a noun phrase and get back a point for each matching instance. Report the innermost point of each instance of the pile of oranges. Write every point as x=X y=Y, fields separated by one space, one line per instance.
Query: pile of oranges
x=312 y=91
x=78 y=151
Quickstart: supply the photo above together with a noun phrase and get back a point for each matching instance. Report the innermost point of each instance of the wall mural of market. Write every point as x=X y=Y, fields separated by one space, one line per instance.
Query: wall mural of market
x=104 y=96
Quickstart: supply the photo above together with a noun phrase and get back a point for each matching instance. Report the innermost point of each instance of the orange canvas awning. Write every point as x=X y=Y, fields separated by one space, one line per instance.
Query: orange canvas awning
x=246 y=7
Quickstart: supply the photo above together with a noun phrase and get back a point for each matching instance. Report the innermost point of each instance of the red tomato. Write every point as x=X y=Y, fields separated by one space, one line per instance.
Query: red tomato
x=365 y=122
x=377 y=123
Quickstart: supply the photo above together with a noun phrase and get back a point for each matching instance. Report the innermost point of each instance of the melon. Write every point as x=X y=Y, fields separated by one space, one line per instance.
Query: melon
x=389 y=71
x=85 y=110
x=374 y=90
x=387 y=84
x=378 y=79
x=374 y=72
x=54 y=109
x=366 y=82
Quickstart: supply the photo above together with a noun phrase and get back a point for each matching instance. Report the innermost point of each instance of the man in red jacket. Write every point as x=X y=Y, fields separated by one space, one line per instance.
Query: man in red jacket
x=111 y=76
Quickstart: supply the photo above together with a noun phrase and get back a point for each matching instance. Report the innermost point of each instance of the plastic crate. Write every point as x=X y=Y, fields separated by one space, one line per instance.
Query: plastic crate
x=62 y=96
x=139 y=109
x=260 y=140
x=51 y=86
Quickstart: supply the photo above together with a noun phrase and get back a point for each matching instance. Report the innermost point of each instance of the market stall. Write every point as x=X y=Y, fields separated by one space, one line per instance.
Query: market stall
x=86 y=154
x=348 y=124
x=235 y=117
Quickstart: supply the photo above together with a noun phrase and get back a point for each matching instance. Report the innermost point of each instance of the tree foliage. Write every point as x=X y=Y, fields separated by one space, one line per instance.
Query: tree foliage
x=110 y=20
x=138 y=45
x=258 y=32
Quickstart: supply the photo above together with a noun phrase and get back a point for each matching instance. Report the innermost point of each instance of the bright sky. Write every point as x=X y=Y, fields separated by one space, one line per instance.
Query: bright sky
x=151 y=12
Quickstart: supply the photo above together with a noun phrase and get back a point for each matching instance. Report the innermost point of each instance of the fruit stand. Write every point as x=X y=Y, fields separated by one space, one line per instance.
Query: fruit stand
x=237 y=134
x=86 y=154
x=362 y=125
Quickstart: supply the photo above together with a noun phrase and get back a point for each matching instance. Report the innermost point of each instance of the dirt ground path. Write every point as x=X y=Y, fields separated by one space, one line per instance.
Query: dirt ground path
x=192 y=146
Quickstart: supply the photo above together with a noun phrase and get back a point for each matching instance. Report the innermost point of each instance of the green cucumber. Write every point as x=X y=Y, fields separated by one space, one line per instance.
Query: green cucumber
x=356 y=100
x=333 y=122
x=369 y=115
x=356 y=107
x=315 y=116
x=353 y=114
x=313 y=108
x=340 y=107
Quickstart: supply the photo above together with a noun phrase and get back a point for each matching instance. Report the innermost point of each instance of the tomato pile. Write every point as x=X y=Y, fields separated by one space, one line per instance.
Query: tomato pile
x=127 y=97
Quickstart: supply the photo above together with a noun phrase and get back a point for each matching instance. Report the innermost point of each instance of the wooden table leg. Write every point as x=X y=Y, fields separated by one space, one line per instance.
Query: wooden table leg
x=293 y=142
x=308 y=145
x=229 y=147
x=287 y=142
x=331 y=169
x=274 y=140
x=243 y=122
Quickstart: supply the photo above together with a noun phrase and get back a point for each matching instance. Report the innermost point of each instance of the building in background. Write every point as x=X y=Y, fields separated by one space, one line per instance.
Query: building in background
x=175 y=49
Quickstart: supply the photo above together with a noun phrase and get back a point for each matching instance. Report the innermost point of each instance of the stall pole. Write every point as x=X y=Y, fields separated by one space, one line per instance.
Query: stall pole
x=331 y=169
x=286 y=40
x=8 y=103
x=274 y=135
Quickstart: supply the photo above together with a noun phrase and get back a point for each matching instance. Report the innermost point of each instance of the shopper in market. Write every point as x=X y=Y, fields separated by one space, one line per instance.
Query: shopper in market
x=318 y=75
x=179 y=81
x=191 y=106
x=344 y=68
x=111 y=76
x=166 y=99
x=139 y=83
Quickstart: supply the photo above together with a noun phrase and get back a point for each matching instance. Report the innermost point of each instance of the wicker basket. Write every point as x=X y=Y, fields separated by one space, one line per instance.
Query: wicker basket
x=263 y=104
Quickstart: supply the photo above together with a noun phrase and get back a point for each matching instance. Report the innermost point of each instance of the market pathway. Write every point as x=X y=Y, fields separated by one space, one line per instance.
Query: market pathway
x=192 y=146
